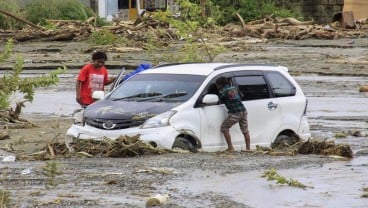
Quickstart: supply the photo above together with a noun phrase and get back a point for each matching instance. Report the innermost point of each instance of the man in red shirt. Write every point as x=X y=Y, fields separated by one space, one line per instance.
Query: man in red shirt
x=92 y=77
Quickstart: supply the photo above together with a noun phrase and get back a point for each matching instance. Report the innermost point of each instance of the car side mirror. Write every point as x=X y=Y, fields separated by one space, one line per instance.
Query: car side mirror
x=210 y=99
x=98 y=95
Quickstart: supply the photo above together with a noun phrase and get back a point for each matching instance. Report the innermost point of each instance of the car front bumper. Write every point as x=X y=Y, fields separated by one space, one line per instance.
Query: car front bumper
x=163 y=137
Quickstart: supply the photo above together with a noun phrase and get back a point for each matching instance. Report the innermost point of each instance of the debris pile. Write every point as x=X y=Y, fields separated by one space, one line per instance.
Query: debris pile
x=328 y=148
x=325 y=148
x=124 y=146
x=289 y=28
x=147 y=28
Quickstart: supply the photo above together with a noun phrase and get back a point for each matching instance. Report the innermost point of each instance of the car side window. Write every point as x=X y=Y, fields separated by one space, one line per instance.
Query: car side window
x=280 y=85
x=252 y=87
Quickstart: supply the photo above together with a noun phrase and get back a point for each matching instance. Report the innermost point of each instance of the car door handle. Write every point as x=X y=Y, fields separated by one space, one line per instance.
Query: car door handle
x=272 y=106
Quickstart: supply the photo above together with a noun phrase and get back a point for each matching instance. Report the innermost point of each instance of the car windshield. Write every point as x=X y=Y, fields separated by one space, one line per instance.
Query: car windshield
x=158 y=88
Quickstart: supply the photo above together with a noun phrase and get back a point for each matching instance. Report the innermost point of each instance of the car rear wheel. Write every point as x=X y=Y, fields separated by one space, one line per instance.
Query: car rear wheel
x=283 y=141
x=184 y=144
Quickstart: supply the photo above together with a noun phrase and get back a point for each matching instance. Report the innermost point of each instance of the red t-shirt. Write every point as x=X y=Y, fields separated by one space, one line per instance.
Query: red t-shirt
x=92 y=80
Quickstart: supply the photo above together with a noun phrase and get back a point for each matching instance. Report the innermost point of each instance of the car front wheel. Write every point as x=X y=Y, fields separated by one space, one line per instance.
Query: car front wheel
x=184 y=144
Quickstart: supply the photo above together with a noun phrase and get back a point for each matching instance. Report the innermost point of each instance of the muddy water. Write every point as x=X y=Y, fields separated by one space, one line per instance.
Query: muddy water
x=335 y=185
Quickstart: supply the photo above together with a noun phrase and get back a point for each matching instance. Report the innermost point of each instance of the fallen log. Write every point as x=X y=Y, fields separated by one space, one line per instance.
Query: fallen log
x=20 y=19
x=241 y=19
x=292 y=21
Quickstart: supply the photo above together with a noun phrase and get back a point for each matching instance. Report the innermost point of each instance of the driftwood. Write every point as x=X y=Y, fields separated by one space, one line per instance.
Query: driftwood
x=272 y=27
x=12 y=115
x=292 y=21
x=241 y=19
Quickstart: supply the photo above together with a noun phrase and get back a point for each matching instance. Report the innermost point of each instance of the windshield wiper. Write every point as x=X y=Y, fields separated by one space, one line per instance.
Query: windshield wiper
x=140 y=95
x=163 y=97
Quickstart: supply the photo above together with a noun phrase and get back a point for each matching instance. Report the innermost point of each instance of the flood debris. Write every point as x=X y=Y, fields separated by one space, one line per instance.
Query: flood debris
x=132 y=146
x=269 y=27
x=328 y=148
x=363 y=88
x=157 y=200
x=289 y=28
x=272 y=175
x=162 y=171
x=124 y=146
x=325 y=148
x=365 y=192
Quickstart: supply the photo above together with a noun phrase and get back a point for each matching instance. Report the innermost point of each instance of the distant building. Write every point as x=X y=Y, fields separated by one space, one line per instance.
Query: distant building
x=130 y=9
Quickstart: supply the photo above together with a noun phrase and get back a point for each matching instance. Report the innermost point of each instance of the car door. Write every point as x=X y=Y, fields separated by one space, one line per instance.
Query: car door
x=292 y=106
x=118 y=80
x=264 y=113
x=211 y=118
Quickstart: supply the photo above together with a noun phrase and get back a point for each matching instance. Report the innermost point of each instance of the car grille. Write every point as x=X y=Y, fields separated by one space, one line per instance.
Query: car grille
x=113 y=124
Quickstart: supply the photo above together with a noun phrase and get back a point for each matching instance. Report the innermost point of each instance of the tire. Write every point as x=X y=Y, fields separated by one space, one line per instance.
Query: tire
x=184 y=144
x=283 y=141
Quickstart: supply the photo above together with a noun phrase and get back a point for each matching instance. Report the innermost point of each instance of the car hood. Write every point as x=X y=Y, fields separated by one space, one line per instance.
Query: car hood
x=107 y=109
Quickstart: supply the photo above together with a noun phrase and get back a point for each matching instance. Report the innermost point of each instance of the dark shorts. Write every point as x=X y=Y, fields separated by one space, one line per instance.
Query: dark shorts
x=233 y=118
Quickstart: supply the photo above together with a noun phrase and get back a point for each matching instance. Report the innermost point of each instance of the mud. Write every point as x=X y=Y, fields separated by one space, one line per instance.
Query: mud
x=330 y=73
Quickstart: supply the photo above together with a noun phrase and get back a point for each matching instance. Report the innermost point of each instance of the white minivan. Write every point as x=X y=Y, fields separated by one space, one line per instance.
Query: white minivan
x=176 y=106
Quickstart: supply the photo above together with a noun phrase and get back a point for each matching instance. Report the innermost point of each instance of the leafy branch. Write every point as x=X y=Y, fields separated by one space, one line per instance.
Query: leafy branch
x=272 y=175
x=12 y=82
x=51 y=170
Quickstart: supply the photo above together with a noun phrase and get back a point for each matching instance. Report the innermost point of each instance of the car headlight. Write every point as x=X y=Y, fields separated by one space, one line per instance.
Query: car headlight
x=158 y=121
x=78 y=117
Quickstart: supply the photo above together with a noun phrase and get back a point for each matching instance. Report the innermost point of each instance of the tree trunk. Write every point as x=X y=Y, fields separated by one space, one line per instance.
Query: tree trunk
x=203 y=6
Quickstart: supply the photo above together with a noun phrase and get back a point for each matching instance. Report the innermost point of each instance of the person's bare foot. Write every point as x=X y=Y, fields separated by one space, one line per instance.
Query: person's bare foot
x=246 y=150
x=229 y=150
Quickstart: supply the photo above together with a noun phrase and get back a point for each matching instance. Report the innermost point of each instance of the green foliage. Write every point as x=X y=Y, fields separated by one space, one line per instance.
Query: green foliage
x=13 y=7
x=12 y=82
x=103 y=37
x=186 y=27
x=40 y=10
x=223 y=11
x=7 y=51
x=73 y=10
x=272 y=175
x=190 y=11
x=51 y=170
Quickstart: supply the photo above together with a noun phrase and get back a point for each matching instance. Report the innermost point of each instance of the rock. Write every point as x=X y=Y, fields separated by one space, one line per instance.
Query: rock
x=363 y=88
x=157 y=200
x=4 y=135
x=362 y=152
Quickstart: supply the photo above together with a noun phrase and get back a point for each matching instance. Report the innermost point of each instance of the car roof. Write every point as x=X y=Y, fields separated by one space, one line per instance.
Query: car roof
x=206 y=68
